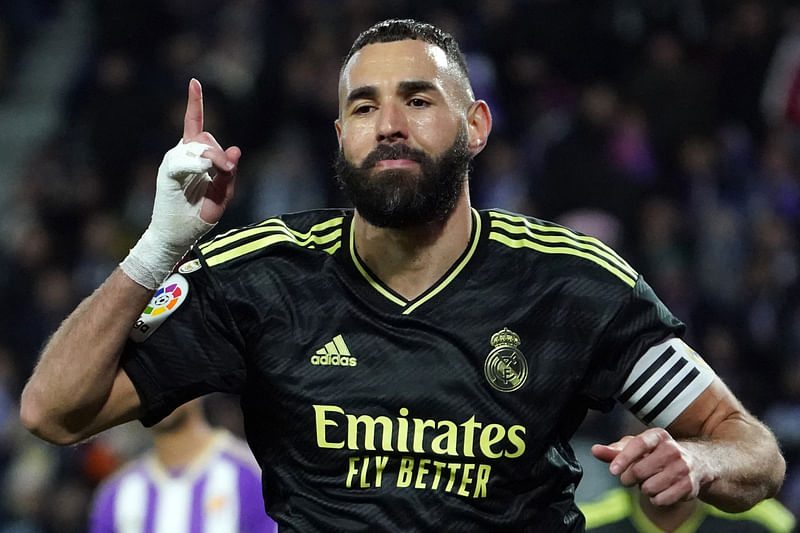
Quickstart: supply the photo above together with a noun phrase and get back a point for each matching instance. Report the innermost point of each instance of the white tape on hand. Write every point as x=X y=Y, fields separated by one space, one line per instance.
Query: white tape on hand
x=176 y=224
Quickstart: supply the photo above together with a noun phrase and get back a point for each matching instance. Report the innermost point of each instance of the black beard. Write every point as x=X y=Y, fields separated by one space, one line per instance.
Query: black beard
x=400 y=198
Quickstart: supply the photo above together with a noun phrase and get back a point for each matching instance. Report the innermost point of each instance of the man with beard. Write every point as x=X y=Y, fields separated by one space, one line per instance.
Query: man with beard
x=414 y=363
x=196 y=478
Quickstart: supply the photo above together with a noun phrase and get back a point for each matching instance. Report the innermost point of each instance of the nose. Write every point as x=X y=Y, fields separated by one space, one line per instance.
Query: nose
x=392 y=124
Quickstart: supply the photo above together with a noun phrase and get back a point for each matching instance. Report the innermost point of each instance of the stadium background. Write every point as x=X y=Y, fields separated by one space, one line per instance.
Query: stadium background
x=669 y=128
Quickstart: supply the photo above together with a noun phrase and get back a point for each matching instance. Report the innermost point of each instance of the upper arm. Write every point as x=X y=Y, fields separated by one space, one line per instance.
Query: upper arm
x=665 y=380
x=194 y=348
x=122 y=405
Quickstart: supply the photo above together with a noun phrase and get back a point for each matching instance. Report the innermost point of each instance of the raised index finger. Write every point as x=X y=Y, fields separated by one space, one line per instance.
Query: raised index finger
x=193 y=120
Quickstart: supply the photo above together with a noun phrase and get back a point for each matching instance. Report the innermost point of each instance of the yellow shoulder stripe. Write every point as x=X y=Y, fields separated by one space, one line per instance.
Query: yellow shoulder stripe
x=559 y=240
x=274 y=230
x=268 y=226
x=567 y=236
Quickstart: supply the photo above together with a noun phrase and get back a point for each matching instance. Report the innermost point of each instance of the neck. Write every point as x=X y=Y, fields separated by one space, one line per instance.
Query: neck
x=178 y=448
x=411 y=260
x=668 y=518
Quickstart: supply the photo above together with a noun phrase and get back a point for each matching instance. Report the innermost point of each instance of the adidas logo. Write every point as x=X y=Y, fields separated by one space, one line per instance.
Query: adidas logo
x=334 y=353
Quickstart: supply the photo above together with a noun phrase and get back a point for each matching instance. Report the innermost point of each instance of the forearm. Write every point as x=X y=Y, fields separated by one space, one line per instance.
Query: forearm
x=78 y=368
x=742 y=461
x=714 y=450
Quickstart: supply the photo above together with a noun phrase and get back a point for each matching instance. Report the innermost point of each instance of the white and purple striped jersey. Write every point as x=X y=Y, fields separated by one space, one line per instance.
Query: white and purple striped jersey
x=219 y=492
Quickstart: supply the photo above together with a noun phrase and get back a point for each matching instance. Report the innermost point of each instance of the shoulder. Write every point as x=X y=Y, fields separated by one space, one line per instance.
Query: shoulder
x=564 y=250
x=319 y=230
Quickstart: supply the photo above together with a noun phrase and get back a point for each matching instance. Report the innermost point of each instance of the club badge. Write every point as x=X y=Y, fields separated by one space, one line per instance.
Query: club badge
x=505 y=368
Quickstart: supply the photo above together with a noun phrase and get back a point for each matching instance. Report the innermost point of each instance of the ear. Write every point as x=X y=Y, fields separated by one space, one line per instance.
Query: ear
x=338 y=126
x=479 y=124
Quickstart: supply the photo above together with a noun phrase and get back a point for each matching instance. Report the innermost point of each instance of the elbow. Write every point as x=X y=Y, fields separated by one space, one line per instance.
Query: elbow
x=35 y=418
x=778 y=475
x=759 y=488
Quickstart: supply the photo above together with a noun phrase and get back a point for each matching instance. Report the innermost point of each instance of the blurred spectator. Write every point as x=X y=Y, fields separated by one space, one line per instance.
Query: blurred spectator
x=196 y=478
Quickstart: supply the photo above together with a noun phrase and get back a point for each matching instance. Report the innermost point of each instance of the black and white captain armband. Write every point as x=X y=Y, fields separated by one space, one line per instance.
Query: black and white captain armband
x=664 y=381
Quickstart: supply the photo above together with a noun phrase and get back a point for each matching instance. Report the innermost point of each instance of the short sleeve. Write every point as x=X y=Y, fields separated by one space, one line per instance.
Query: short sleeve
x=190 y=347
x=641 y=322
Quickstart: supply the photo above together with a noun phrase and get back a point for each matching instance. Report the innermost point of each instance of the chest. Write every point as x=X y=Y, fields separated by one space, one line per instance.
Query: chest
x=459 y=364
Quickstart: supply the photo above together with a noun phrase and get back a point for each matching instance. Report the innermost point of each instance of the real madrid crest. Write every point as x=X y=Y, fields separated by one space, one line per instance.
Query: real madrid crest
x=505 y=368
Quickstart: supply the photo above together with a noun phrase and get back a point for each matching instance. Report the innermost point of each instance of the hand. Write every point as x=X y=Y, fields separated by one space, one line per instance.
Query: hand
x=218 y=191
x=665 y=470
x=189 y=202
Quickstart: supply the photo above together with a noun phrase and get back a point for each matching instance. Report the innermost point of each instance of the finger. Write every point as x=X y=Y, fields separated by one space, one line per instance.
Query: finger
x=677 y=492
x=220 y=190
x=636 y=448
x=193 y=120
x=223 y=164
x=605 y=453
x=662 y=481
x=215 y=154
x=233 y=153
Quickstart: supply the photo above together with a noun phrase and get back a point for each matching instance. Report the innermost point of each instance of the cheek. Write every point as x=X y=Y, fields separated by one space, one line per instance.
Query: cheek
x=353 y=143
x=434 y=133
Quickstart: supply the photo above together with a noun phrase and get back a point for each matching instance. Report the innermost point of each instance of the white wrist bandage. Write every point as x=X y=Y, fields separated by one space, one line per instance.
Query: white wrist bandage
x=176 y=224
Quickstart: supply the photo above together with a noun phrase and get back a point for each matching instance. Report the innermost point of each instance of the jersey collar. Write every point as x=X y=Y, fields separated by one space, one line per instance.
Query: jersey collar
x=408 y=306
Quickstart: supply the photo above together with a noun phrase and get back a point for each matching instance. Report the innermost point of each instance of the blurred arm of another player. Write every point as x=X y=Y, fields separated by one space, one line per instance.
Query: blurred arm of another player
x=78 y=388
x=715 y=450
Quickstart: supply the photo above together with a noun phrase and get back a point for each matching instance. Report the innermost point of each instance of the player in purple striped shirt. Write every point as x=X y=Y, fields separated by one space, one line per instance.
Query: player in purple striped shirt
x=197 y=479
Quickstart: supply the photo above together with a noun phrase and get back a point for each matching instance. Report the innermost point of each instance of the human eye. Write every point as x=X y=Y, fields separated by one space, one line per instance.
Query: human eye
x=418 y=102
x=362 y=109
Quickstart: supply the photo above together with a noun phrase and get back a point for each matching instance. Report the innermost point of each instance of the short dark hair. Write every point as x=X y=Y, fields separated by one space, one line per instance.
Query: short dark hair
x=401 y=29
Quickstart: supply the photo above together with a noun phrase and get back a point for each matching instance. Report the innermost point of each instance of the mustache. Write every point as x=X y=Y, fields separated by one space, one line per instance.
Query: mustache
x=392 y=151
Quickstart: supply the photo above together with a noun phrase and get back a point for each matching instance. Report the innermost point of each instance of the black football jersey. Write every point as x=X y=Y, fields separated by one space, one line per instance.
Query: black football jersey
x=370 y=412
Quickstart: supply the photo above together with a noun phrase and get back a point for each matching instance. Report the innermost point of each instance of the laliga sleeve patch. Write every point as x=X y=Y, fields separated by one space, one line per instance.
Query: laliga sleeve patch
x=664 y=381
x=165 y=301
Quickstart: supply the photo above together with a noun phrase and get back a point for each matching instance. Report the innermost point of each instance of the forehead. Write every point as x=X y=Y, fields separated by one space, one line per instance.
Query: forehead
x=388 y=63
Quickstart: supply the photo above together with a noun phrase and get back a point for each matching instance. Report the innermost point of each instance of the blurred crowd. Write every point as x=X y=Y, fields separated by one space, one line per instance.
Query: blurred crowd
x=668 y=128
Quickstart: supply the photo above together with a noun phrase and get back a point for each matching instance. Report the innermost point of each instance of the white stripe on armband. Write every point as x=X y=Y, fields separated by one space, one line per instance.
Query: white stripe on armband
x=664 y=381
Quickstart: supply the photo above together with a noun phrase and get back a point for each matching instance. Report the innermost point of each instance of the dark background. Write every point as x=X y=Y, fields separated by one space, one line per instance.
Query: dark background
x=669 y=128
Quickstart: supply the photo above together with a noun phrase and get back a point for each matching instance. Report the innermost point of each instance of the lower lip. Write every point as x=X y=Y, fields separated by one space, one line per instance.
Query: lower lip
x=395 y=163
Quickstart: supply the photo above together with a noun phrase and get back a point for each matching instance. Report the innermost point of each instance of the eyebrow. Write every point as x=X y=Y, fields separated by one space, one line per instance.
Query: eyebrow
x=416 y=86
x=367 y=92
x=407 y=87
